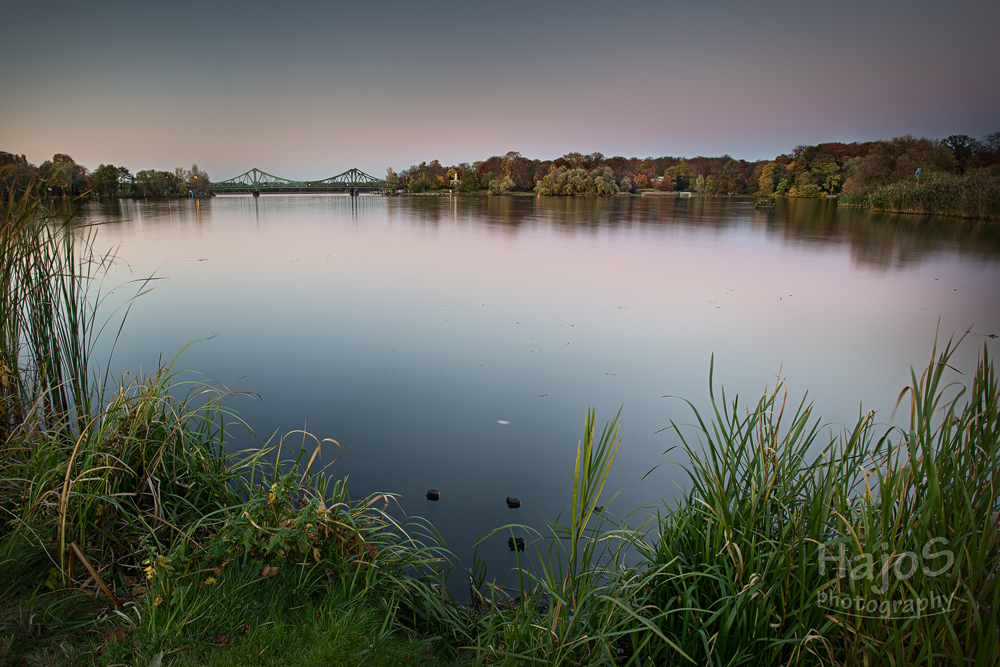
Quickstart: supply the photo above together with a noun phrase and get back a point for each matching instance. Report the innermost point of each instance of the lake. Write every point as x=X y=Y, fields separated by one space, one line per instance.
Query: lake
x=457 y=342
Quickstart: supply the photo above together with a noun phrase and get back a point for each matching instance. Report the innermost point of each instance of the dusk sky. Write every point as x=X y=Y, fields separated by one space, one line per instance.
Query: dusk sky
x=311 y=89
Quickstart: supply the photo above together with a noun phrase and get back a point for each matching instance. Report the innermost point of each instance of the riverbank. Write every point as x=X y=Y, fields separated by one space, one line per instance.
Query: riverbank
x=215 y=558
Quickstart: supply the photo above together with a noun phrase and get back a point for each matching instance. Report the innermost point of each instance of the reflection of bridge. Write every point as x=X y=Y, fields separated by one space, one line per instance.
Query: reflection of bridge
x=255 y=181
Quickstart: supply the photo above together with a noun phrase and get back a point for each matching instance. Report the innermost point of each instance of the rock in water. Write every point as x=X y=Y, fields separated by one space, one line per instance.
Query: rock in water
x=513 y=502
x=519 y=543
x=433 y=494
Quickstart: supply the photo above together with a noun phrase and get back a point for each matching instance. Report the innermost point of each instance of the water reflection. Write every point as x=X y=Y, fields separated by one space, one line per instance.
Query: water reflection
x=876 y=240
x=456 y=342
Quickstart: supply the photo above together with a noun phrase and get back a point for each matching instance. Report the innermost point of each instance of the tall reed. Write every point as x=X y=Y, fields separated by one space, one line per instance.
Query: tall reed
x=877 y=551
x=575 y=600
x=975 y=194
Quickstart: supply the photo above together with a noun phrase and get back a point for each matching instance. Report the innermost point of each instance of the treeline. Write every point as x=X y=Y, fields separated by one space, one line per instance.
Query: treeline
x=808 y=171
x=62 y=176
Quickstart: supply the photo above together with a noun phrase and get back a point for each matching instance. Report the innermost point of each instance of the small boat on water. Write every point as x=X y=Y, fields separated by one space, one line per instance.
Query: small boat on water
x=765 y=203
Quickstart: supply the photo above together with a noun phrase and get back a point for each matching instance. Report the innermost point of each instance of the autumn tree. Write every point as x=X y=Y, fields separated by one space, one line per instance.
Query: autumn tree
x=896 y=160
x=664 y=184
x=63 y=176
x=962 y=147
x=639 y=181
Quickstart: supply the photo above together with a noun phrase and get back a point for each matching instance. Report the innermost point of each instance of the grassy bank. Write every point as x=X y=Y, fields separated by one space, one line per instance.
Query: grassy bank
x=126 y=531
x=973 y=195
x=128 y=535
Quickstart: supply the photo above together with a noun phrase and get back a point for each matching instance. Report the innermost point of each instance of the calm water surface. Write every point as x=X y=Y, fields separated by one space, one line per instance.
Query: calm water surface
x=456 y=343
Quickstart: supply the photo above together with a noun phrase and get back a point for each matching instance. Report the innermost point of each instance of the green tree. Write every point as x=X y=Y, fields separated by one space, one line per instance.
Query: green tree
x=470 y=183
x=604 y=181
x=826 y=172
x=501 y=186
x=103 y=181
x=16 y=174
x=198 y=181
x=680 y=174
x=154 y=184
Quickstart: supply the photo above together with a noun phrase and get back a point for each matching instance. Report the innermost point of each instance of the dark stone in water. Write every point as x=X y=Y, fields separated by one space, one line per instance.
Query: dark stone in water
x=513 y=502
x=599 y=509
x=511 y=542
x=433 y=494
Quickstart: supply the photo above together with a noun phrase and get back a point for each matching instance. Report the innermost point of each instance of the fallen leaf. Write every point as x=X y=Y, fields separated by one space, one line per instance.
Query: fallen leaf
x=269 y=571
x=222 y=640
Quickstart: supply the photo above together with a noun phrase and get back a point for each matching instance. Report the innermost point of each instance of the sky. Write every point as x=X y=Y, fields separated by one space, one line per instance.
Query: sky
x=307 y=90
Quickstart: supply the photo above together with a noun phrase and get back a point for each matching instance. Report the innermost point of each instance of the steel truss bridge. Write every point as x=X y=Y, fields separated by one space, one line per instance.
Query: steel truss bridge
x=255 y=181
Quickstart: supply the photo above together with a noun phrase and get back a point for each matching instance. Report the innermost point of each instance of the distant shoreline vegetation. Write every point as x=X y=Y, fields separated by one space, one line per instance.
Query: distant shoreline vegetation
x=62 y=176
x=959 y=176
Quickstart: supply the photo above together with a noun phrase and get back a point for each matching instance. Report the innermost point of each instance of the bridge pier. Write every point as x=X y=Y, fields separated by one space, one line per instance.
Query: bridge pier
x=256 y=193
x=354 y=192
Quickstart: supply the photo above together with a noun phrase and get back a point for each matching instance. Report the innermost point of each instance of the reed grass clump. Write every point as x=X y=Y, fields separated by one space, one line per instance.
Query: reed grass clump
x=880 y=550
x=976 y=194
x=792 y=545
